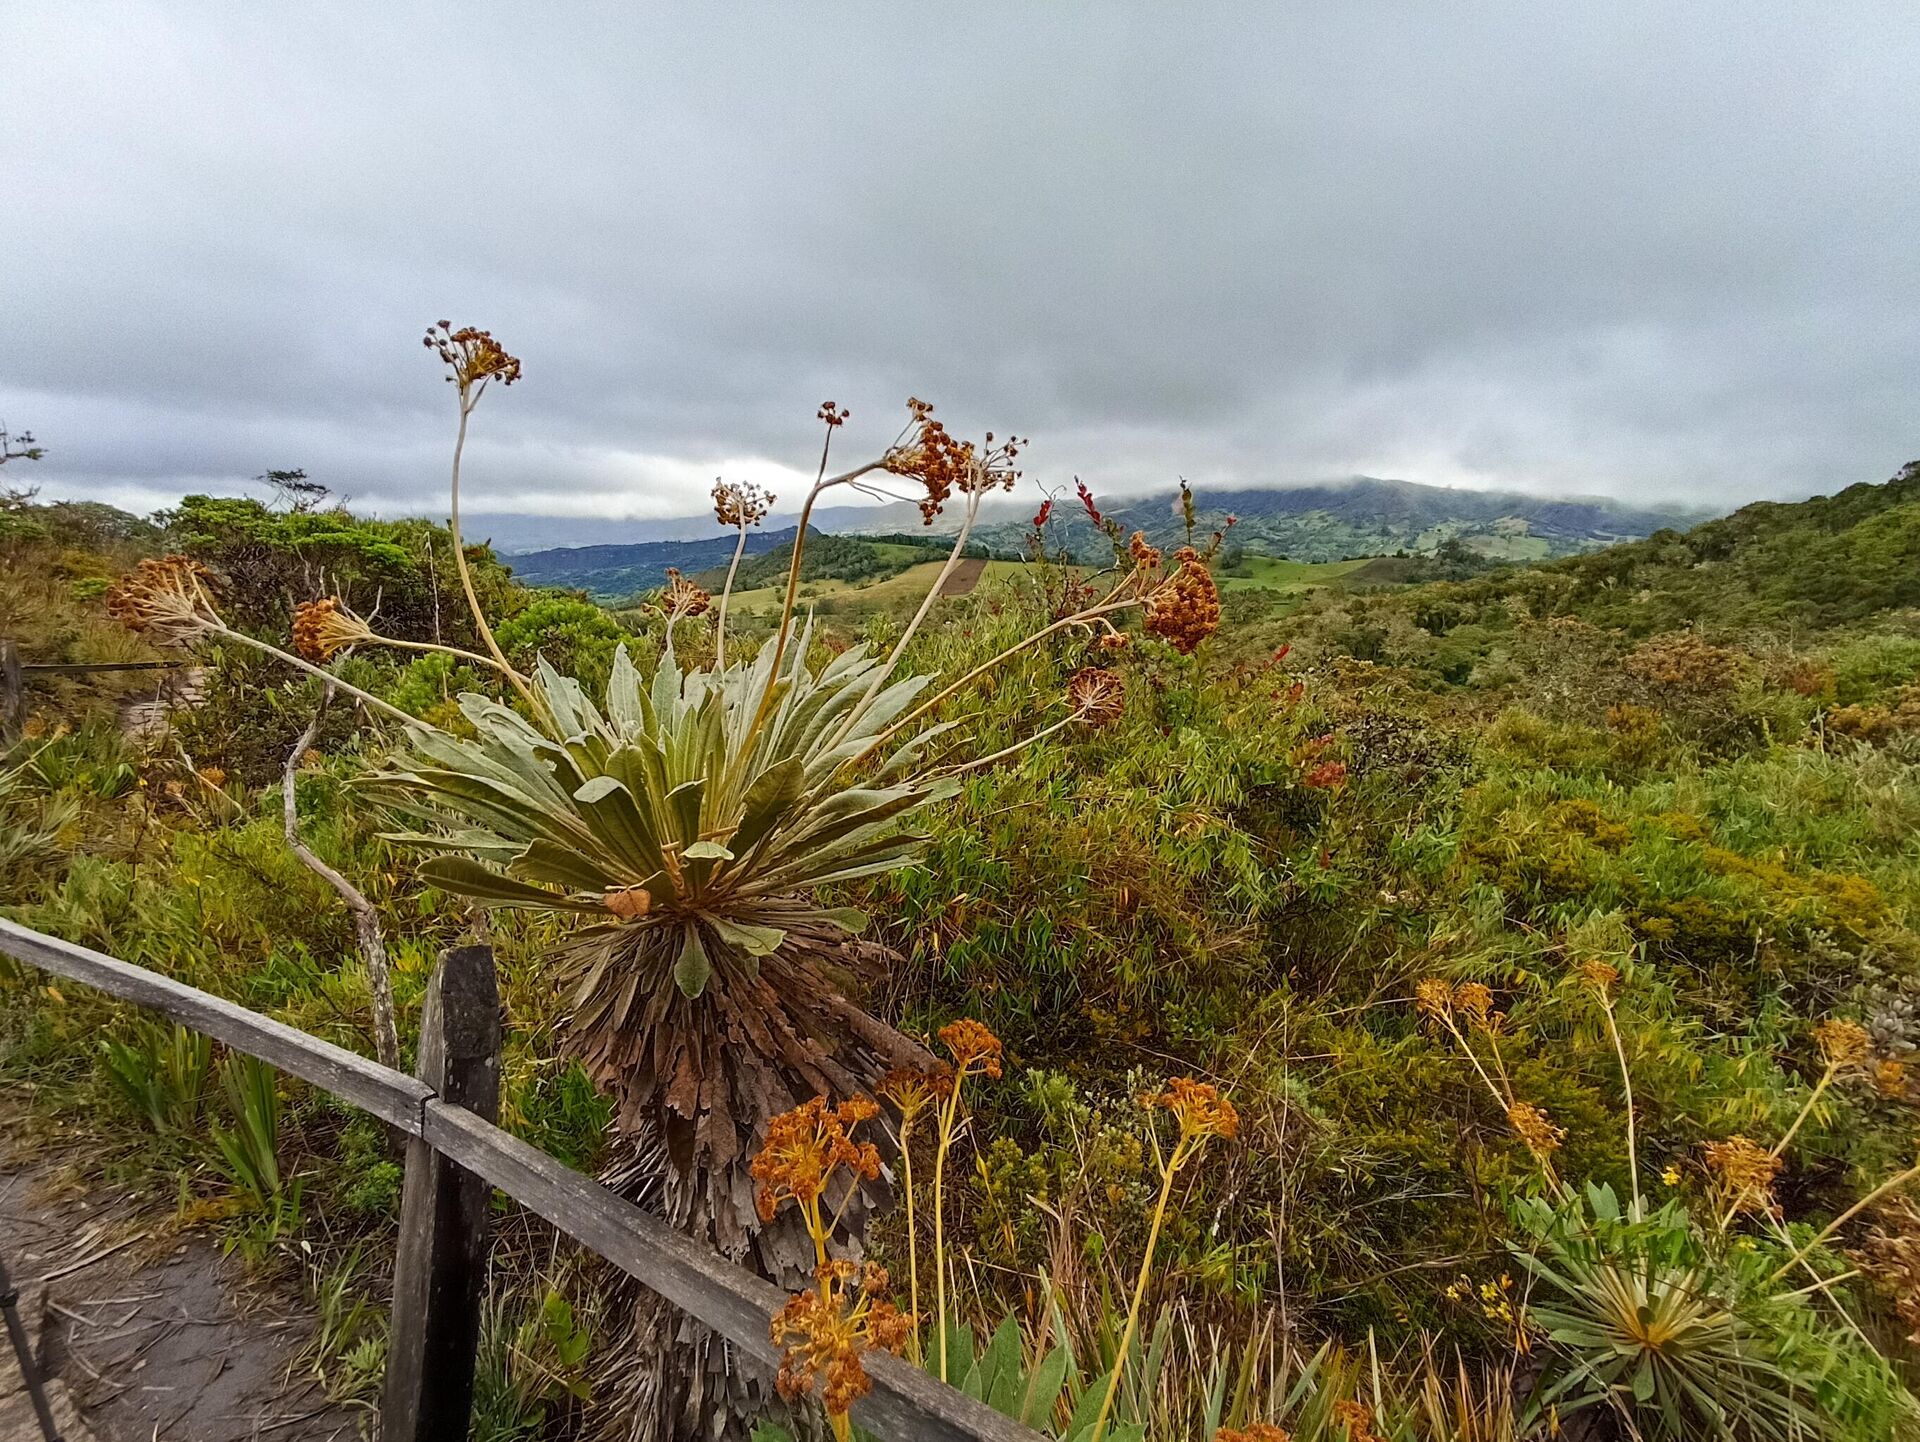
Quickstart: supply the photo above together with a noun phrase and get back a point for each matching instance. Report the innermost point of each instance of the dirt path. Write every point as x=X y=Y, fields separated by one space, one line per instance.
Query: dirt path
x=151 y=1334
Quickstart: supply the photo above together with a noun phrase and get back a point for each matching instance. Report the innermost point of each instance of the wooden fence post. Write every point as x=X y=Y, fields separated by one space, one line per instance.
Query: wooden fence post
x=11 y=699
x=440 y=1272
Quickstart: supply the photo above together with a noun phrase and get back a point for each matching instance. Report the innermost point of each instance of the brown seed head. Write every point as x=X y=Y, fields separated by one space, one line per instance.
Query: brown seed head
x=1602 y=976
x=472 y=356
x=1434 y=997
x=324 y=628
x=1098 y=696
x=1746 y=1171
x=682 y=597
x=740 y=503
x=1145 y=557
x=169 y=599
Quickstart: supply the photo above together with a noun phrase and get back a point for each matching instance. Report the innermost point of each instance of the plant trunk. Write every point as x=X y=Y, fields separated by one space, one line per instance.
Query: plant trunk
x=694 y=1084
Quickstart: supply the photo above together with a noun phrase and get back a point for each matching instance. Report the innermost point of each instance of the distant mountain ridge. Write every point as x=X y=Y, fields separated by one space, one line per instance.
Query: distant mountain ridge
x=1333 y=521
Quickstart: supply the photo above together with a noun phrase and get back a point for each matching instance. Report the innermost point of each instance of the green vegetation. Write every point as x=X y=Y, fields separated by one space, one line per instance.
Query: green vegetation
x=1548 y=928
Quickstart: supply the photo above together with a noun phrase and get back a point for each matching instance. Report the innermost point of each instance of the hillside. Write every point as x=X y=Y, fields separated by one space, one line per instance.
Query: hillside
x=613 y=572
x=1366 y=517
x=1793 y=571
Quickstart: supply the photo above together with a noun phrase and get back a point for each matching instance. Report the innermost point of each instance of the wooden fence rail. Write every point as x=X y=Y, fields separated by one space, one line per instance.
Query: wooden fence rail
x=434 y=1298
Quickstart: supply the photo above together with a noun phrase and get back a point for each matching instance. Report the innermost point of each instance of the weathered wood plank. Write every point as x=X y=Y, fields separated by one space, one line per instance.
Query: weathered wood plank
x=390 y=1095
x=440 y=1268
x=905 y=1402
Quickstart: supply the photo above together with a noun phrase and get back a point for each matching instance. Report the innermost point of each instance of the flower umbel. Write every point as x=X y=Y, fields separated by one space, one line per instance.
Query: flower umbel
x=1185 y=610
x=1842 y=1043
x=740 y=503
x=1745 y=1170
x=473 y=356
x=169 y=599
x=804 y=1148
x=1098 y=696
x=324 y=628
x=823 y=1334
x=1199 y=1109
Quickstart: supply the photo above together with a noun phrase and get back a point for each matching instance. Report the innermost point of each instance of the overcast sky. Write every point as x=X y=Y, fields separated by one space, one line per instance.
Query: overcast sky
x=1665 y=252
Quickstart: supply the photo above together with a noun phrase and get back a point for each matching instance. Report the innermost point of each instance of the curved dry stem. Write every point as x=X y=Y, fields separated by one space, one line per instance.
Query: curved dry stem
x=1626 y=1081
x=926 y=606
x=365 y=697
x=1174 y=1162
x=726 y=594
x=1891 y=1184
x=464 y=655
x=466 y=575
x=1078 y=618
x=984 y=761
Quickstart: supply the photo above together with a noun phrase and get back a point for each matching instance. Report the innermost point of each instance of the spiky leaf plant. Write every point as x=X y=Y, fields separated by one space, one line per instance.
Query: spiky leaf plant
x=697 y=829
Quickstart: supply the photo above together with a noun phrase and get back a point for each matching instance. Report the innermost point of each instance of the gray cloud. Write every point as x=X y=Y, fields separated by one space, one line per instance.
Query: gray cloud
x=1631 y=249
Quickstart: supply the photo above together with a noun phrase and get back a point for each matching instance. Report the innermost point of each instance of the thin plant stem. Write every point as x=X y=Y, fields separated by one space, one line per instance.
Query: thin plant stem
x=1078 y=618
x=726 y=594
x=947 y=1114
x=926 y=605
x=913 y=1241
x=1806 y=1111
x=1007 y=751
x=1892 y=1184
x=1173 y=1165
x=473 y=656
x=365 y=697
x=460 y=560
x=1626 y=1082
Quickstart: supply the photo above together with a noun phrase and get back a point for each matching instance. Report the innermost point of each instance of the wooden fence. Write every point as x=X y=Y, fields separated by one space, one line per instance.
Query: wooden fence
x=455 y=1155
x=14 y=671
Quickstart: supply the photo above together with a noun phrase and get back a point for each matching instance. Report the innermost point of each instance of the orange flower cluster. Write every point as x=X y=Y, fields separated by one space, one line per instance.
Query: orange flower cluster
x=1185 y=609
x=1842 y=1043
x=913 y=1091
x=1357 y=1418
x=1145 y=557
x=323 y=628
x=682 y=597
x=806 y=1146
x=1434 y=997
x=1476 y=1001
x=822 y=1335
x=969 y=1042
x=1746 y=1169
x=1602 y=976
x=1253 y=1432
x=1536 y=1128
x=1199 y=1108
x=944 y=465
x=169 y=599
x=740 y=503
x=1098 y=696
x=472 y=356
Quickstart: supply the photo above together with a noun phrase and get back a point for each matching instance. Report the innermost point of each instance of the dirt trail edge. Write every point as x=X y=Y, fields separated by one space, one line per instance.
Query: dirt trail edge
x=152 y=1340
